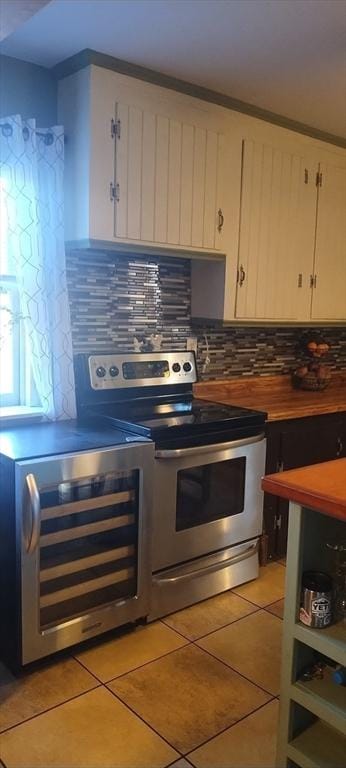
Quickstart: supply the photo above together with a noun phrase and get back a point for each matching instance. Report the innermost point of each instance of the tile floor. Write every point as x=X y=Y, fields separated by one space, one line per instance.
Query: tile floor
x=198 y=688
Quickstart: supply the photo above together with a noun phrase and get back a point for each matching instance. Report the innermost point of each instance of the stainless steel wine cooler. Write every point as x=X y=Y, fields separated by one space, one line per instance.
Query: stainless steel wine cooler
x=83 y=544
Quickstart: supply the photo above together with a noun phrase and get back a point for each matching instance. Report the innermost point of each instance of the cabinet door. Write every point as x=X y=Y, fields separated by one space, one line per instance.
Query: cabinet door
x=309 y=441
x=342 y=437
x=329 y=294
x=270 y=502
x=276 y=239
x=168 y=180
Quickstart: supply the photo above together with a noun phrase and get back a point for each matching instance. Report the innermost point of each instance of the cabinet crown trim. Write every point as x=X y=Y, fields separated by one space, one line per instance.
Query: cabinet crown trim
x=89 y=56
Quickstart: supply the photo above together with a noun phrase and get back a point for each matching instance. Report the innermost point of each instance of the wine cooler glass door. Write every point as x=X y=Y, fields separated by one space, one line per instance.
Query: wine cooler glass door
x=82 y=525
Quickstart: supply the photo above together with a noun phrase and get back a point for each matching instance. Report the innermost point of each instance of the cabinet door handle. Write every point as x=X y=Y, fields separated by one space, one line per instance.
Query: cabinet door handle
x=241 y=275
x=221 y=220
x=277 y=522
x=31 y=514
x=340 y=447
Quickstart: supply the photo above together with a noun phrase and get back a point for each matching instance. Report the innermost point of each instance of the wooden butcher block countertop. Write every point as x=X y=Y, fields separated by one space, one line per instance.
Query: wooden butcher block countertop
x=320 y=486
x=276 y=396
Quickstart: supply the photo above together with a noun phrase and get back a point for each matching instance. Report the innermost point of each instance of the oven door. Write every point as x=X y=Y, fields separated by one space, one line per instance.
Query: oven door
x=206 y=498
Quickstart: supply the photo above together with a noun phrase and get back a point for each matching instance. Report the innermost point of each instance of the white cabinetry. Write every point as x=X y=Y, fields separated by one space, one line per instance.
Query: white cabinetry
x=329 y=274
x=155 y=171
x=152 y=161
x=276 y=235
x=292 y=236
x=167 y=177
x=286 y=235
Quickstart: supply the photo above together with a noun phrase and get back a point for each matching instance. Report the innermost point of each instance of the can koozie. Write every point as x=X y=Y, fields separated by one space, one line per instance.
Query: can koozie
x=316 y=599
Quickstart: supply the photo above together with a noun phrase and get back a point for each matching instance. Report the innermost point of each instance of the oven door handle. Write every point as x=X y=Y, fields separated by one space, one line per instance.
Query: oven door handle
x=178 y=453
x=207 y=568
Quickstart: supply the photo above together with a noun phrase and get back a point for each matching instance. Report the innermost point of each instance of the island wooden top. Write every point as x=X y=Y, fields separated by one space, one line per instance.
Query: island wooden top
x=319 y=486
x=276 y=396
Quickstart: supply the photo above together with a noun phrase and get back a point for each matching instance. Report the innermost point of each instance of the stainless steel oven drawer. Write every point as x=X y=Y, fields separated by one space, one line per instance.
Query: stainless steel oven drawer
x=186 y=584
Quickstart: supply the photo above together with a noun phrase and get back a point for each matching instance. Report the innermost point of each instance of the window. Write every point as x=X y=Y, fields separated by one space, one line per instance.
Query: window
x=16 y=385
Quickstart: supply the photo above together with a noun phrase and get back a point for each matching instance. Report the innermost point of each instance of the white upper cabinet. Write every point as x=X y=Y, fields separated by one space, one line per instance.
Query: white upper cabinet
x=286 y=234
x=292 y=233
x=329 y=275
x=155 y=171
x=276 y=234
x=151 y=160
x=167 y=180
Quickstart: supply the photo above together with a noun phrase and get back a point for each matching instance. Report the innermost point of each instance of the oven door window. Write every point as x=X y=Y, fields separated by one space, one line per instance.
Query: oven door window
x=210 y=492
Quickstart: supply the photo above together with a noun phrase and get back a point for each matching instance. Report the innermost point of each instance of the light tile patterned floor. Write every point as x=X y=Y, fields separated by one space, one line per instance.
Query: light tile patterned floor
x=198 y=688
x=252 y=647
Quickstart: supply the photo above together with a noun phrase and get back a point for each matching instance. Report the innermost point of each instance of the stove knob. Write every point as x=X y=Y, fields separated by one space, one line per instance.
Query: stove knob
x=100 y=371
x=187 y=367
x=176 y=367
x=113 y=371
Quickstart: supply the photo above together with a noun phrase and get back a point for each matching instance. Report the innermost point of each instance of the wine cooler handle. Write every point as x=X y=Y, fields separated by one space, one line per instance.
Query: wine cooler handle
x=32 y=507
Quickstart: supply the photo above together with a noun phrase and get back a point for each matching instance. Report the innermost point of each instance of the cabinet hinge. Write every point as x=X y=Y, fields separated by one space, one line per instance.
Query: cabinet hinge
x=115 y=129
x=319 y=179
x=114 y=192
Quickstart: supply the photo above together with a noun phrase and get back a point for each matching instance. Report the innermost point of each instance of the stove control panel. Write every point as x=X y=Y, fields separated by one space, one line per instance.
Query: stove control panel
x=141 y=369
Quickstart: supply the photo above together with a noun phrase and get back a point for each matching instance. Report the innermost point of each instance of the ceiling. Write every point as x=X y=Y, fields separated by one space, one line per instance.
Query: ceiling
x=286 y=56
x=13 y=13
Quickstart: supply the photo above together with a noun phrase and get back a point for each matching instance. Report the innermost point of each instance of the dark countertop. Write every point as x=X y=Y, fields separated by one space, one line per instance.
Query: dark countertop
x=321 y=487
x=51 y=439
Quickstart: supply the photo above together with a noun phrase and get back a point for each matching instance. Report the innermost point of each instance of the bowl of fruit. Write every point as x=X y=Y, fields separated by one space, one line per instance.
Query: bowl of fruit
x=313 y=373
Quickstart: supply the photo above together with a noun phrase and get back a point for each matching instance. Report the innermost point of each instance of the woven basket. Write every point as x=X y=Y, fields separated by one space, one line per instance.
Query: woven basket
x=311 y=382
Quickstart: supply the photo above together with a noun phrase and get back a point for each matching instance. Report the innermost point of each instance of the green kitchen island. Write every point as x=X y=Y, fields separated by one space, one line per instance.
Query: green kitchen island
x=312 y=723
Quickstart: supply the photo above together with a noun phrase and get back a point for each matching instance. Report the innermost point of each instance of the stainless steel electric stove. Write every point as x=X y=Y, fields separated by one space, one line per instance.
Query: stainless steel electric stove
x=209 y=459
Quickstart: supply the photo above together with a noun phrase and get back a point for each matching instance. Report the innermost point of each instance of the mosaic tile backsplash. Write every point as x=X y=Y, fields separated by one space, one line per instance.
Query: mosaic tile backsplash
x=115 y=298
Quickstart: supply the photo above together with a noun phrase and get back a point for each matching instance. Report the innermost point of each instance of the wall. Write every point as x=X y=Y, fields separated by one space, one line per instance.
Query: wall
x=28 y=90
x=114 y=298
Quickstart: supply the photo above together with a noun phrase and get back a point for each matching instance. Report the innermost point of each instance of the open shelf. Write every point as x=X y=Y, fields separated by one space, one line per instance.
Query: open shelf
x=319 y=746
x=312 y=723
x=330 y=641
x=323 y=698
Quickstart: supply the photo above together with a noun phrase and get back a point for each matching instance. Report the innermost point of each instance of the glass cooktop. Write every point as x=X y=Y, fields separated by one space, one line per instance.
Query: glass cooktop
x=191 y=415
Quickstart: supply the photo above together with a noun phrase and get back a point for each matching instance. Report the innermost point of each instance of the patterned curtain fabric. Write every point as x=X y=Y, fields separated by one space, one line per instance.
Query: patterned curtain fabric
x=31 y=172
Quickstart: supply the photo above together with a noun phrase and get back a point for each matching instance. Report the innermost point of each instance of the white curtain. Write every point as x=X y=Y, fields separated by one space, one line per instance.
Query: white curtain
x=32 y=166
